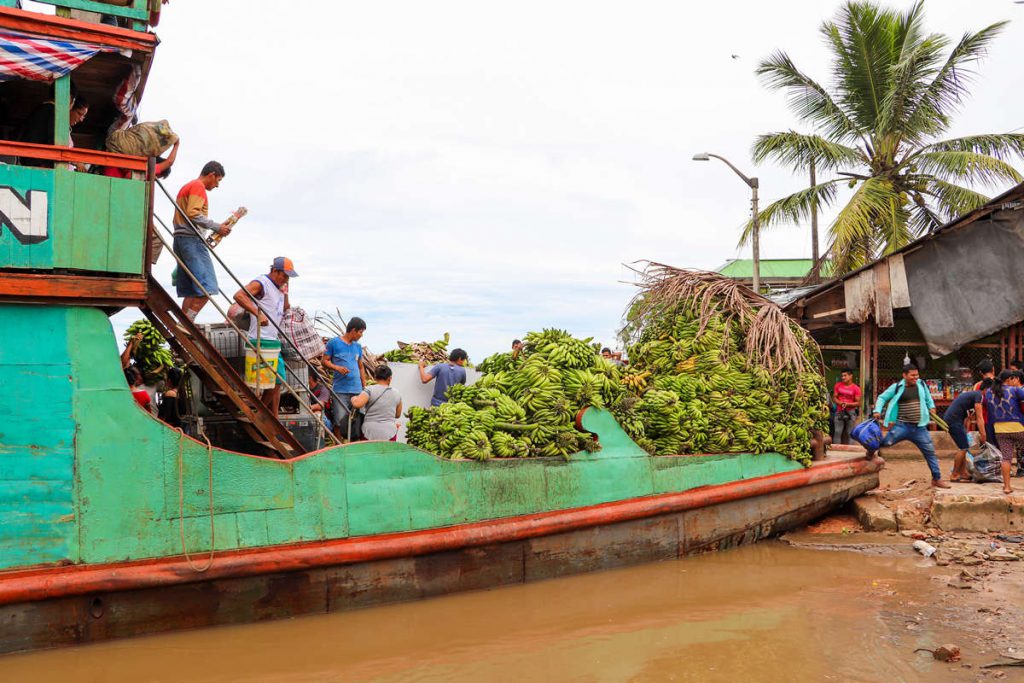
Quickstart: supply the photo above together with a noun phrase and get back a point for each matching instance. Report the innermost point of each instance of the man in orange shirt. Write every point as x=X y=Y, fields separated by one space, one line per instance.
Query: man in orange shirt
x=190 y=244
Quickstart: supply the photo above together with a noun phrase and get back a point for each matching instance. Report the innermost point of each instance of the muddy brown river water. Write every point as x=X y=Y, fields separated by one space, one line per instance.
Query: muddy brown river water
x=764 y=613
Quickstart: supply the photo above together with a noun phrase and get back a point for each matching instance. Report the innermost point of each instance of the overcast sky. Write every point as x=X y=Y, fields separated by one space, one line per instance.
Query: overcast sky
x=486 y=170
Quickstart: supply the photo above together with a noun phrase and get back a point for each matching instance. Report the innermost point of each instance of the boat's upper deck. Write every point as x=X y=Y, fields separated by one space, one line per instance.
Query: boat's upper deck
x=135 y=15
x=67 y=204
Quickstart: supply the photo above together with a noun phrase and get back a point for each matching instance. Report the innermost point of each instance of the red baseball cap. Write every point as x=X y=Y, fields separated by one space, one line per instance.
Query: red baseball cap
x=285 y=265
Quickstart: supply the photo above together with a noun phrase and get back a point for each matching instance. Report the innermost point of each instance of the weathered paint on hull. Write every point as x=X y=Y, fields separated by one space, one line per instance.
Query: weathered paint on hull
x=202 y=601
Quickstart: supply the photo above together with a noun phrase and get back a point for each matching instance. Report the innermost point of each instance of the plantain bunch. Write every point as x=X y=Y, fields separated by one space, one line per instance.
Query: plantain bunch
x=498 y=362
x=429 y=352
x=522 y=407
x=693 y=389
x=151 y=355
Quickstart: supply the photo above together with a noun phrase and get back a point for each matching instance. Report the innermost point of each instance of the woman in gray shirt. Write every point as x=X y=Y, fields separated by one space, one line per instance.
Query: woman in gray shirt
x=381 y=405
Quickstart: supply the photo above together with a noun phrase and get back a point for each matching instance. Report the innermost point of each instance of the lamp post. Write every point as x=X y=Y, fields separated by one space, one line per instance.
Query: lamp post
x=755 y=242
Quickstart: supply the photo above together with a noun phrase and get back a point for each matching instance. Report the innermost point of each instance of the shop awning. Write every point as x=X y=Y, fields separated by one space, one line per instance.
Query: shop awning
x=37 y=58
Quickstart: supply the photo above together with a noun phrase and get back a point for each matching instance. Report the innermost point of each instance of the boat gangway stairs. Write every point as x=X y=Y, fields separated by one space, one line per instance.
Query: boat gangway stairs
x=203 y=359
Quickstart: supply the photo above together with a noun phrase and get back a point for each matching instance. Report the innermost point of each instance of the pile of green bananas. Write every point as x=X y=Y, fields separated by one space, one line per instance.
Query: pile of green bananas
x=695 y=390
x=499 y=362
x=436 y=352
x=151 y=354
x=522 y=408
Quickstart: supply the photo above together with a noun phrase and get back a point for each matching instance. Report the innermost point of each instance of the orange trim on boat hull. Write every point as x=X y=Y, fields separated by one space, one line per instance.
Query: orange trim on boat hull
x=57 y=582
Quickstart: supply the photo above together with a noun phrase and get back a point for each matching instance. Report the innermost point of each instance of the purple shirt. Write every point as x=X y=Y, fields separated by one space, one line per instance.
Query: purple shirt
x=1005 y=409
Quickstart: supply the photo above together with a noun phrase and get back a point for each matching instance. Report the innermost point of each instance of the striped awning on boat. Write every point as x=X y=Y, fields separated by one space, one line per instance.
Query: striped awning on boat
x=36 y=58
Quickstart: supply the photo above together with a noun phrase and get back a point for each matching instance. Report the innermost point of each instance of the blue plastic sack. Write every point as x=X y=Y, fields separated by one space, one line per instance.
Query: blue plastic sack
x=868 y=434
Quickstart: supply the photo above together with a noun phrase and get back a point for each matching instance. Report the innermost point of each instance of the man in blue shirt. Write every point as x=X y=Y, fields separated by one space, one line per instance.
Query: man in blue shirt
x=445 y=375
x=344 y=356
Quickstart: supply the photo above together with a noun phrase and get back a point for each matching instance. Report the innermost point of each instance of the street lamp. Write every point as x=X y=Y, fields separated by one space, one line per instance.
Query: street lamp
x=755 y=242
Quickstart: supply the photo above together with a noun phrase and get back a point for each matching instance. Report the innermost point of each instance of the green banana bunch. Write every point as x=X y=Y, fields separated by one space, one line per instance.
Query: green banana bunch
x=151 y=354
x=704 y=394
x=522 y=407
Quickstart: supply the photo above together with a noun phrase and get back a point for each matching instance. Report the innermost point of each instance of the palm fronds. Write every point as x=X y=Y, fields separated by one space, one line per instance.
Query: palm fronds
x=797 y=151
x=892 y=93
x=773 y=339
x=792 y=209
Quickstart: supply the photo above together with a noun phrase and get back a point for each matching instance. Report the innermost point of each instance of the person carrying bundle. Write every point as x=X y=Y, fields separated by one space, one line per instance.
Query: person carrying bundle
x=191 y=248
x=266 y=300
x=955 y=416
x=908 y=408
x=444 y=375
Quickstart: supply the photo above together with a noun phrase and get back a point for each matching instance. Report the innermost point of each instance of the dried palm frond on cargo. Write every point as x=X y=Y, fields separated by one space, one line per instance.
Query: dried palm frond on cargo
x=772 y=338
x=717 y=368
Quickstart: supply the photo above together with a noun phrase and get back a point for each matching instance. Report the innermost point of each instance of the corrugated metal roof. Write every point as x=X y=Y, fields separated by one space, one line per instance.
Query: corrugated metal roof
x=1013 y=195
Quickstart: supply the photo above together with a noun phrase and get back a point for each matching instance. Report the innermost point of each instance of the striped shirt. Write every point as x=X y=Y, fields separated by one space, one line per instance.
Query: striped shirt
x=910 y=404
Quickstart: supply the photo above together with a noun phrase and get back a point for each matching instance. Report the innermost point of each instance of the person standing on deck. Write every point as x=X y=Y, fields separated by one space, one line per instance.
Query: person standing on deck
x=191 y=248
x=266 y=300
x=955 y=416
x=846 y=395
x=908 y=410
x=1004 y=407
x=344 y=355
x=382 y=406
x=444 y=375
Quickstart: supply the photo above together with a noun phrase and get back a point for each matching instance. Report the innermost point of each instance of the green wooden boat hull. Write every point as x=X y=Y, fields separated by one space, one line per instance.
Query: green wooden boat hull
x=100 y=502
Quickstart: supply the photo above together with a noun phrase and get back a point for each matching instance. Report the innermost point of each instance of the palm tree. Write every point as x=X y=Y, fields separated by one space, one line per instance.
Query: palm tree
x=894 y=90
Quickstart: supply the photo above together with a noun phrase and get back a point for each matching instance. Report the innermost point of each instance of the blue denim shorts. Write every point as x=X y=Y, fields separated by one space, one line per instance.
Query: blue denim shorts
x=196 y=255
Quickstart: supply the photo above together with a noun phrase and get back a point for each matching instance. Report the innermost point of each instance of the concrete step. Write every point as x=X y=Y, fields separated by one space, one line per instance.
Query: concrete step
x=978 y=507
x=874 y=516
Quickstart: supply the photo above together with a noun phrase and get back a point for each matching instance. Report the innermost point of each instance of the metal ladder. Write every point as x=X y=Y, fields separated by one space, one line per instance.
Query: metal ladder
x=213 y=369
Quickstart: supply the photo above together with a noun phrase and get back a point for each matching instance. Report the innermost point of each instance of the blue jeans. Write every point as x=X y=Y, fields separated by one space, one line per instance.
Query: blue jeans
x=905 y=431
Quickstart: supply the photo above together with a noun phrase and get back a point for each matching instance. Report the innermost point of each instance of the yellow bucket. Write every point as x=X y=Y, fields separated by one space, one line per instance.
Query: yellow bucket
x=261 y=371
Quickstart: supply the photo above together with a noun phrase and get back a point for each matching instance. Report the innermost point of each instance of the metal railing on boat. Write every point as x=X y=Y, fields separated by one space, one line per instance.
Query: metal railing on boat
x=185 y=272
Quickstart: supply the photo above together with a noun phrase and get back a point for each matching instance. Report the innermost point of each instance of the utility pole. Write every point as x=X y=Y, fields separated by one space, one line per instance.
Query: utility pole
x=815 y=270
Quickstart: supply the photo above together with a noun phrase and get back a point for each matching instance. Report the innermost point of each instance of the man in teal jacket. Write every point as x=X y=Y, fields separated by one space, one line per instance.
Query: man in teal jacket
x=908 y=407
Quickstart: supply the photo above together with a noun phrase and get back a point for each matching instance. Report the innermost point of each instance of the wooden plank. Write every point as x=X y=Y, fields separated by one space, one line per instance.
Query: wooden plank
x=899 y=290
x=71 y=29
x=883 y=300
x=72 y=154
x=101 y=7
x=62 y=215
x=90 y=222
x=128 y=223
x=859 y=291
x=33 y=287
x=828 y=314
x=21 y=182
x=62 y=111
